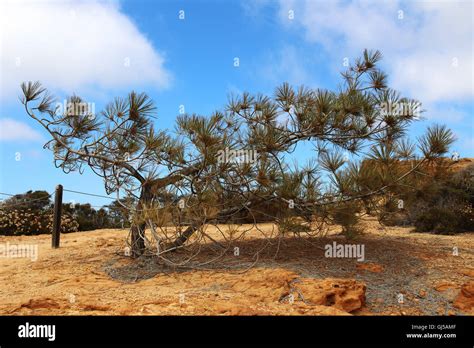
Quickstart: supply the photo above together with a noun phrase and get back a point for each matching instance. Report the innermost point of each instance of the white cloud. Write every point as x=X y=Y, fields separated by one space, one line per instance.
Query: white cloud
x=253 y=7
x=450 y=114
x=69 y=45
x=11 y=130
x=421 y=49
x=285 y=65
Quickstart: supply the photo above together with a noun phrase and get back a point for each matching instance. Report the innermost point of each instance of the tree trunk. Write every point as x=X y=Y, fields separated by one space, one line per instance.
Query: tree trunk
x=138 y=239
x=182 y=238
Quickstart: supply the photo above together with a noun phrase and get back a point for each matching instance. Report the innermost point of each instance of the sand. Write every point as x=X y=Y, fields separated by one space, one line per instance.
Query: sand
x=403 y=273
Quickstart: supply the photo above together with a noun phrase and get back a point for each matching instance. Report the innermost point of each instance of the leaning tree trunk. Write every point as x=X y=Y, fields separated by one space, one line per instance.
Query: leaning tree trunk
x=138 y=229
x=183 y=237
x=137 y=240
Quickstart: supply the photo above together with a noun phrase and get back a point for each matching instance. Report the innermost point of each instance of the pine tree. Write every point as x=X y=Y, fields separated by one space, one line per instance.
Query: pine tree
x=214 y=169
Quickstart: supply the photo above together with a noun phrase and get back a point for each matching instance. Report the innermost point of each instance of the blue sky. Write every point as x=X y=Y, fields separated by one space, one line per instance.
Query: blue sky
x=103 y=49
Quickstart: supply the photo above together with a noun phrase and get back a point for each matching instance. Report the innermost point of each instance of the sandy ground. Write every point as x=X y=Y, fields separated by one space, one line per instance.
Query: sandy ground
x=89 y=275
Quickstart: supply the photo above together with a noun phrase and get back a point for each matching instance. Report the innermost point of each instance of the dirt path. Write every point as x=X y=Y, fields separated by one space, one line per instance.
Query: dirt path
x=89 y=275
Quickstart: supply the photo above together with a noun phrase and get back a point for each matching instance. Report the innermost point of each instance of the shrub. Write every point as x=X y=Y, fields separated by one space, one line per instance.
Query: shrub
x=347 y=215
x=88 y=218
x=31 y=213
x=441 y=205
x=446 y=207
x=293 y=225
x=438 y=220
x=29 y=222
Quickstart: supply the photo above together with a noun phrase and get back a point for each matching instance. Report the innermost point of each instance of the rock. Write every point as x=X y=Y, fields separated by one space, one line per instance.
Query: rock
x=465 y=299
x=422 y=293
x=324 y=310
x=94 y=307
x=318 y=310
x=145 y=310
x=450 y=294
x=444 y=285
x=371 y=267
x=100 y=242
x=41 y=303
x=467 y=272
x=468 y=289
x=233 y=309
x=343 y=294
x=293 y=295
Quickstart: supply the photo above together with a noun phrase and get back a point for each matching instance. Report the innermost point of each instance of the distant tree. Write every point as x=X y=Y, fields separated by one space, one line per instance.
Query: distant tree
x=209 y=163
x=35 y=200
x=87 y=217
x=119 y=211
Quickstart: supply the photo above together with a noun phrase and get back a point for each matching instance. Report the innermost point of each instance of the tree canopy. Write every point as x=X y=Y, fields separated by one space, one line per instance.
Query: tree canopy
x=234 y=164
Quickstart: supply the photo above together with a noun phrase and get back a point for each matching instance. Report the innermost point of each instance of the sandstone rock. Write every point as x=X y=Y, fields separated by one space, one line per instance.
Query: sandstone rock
x=371 y=267
x=467 y=272
x=468 y=289
x=324 y=310
x=422 y=293
x=465 y=300
x=344 y=294
x=41 y=303
x=444 y=285
x=145 y=310
x=94 y=307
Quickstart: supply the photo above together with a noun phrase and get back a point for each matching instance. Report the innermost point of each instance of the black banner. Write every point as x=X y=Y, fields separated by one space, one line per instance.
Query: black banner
x=152 y=330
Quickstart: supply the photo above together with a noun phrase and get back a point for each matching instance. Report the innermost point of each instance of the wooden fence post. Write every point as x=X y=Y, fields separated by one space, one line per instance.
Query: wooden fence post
x=58 y=203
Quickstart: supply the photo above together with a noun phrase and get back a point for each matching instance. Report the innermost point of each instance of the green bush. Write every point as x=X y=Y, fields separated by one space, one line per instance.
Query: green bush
x=440 y=205
x=111 y=216
x=446 y=207
x=347 y=215
x=295 y=226
x=439 y=220
x=87 y=217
